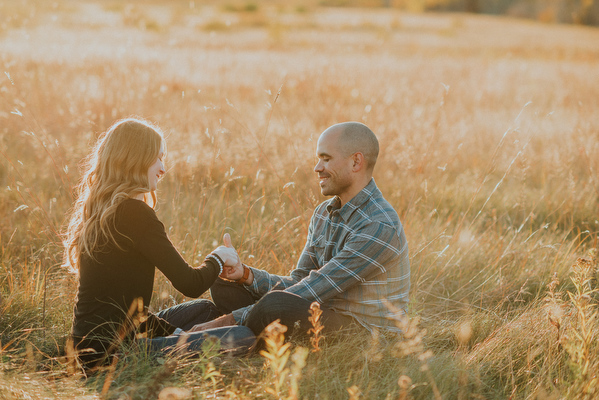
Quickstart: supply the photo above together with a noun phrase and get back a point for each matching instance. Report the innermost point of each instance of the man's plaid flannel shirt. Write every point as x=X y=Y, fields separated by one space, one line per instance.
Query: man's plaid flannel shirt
x=355 y=260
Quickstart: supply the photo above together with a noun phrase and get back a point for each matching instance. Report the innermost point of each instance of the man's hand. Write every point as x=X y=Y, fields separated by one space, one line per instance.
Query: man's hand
x=225 y=320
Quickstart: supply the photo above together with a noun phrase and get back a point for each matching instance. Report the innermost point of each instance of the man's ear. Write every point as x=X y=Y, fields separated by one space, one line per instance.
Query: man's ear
x=359 y=162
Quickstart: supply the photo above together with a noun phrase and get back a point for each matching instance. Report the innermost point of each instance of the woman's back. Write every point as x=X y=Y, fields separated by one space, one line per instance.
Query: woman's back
x=117 y=277
x=110 y=283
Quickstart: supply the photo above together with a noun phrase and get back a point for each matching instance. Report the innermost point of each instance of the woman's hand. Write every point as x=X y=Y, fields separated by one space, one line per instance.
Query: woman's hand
x=233 y=268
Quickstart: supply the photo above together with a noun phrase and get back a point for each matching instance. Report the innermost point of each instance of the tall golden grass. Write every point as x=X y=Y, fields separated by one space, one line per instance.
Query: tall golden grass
x=489 y=138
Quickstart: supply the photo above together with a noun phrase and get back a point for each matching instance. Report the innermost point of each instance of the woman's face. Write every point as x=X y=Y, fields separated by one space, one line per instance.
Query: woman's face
x=156 y=170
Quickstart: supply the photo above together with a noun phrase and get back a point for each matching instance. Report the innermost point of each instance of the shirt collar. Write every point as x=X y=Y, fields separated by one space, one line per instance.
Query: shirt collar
x=348 y=208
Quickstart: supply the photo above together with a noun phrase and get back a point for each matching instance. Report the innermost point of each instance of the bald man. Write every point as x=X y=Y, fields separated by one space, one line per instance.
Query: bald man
x=354 y=264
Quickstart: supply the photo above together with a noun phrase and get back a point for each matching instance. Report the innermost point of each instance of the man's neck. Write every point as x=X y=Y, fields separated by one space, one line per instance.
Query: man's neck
x=353 y=191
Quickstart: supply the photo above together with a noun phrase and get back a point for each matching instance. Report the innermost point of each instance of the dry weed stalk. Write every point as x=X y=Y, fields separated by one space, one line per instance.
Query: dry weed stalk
x=317 y=327
x=72 y=362
x=405 y=385
x=463 y=335
x=174 y=393
x=132 y=322
x=109 y=377
x=31 y=363
x=277 y=355
x=411 y=344
x=299 y=362
x=354 y=392
x=581 y=336
x=554 y=305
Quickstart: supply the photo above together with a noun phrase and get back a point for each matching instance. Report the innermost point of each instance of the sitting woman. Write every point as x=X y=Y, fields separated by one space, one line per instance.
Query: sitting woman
x=115 y=241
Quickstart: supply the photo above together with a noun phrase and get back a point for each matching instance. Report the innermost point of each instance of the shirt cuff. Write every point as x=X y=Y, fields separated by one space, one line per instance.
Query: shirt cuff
x=241 y=314
x=259 y=276
x=178 y=331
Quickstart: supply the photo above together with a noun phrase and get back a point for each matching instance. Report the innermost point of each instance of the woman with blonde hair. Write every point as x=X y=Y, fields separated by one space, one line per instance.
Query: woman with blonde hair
x=115 y=241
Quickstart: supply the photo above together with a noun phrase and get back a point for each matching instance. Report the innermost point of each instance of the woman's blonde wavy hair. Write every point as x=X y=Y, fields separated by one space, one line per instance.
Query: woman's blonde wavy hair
x=116 y=169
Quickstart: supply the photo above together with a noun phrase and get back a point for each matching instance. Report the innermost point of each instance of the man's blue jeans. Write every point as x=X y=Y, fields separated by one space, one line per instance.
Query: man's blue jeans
x=292 y=310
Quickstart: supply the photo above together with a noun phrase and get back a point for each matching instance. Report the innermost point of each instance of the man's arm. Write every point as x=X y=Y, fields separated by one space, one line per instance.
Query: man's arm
x=262 y=282
x=259 y=282
x=367 y=252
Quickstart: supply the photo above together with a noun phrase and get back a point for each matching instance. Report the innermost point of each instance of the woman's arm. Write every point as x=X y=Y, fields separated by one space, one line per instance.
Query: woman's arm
x=148 y=236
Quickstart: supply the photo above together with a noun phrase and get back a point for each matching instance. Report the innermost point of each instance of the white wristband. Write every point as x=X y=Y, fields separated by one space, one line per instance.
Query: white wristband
x=218 y=261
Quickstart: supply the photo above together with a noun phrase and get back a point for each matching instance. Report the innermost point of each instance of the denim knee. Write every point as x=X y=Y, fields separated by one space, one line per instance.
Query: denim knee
x=277 y=302
x=230 y=296
x=288 y=308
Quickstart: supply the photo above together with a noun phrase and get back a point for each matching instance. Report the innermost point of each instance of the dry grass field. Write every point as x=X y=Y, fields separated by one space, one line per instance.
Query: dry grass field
x=489 y=130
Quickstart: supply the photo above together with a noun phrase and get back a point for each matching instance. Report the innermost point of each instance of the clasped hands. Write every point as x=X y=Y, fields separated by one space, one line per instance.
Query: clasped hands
x=232 y=268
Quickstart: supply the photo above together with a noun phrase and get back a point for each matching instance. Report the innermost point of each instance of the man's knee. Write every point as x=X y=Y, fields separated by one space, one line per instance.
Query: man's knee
x=221 y=287
x=279 y=302
x=229 y=296
x=277 y=305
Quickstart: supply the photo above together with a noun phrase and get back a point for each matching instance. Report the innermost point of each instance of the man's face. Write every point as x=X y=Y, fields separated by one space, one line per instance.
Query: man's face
x=333 y=168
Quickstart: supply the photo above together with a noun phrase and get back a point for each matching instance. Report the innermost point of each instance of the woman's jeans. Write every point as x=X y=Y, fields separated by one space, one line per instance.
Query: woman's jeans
x=233 y=339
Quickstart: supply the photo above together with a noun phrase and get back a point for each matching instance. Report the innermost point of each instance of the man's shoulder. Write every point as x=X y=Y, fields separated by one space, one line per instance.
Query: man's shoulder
x=378 y=210
x=370 y=205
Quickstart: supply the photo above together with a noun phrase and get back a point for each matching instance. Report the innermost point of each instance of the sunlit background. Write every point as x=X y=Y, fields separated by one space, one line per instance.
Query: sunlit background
x=486 y=112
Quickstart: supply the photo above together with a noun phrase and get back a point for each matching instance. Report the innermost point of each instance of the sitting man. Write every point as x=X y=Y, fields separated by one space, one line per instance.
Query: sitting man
x=355 y=263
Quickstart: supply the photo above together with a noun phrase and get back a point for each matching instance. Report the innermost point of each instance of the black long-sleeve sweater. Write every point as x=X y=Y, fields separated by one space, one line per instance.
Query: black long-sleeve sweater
x=110 y=283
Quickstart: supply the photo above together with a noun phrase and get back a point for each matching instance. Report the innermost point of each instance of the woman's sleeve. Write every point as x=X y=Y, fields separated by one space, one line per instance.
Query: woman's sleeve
x=141 y=225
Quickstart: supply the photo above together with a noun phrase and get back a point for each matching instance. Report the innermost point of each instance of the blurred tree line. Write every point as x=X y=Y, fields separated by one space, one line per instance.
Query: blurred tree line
x=565 y=11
